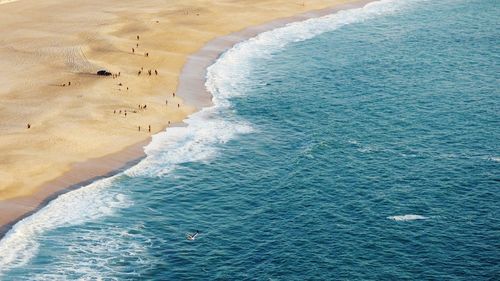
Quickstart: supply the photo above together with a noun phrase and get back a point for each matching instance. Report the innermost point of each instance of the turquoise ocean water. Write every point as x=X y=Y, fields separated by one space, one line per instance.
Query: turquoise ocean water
x=364 y=145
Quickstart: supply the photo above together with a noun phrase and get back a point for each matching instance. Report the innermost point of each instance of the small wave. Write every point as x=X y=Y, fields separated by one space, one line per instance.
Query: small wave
x=409 y=217
x=495 y=159
x=367 y=149
x=196 y=142
x=103 y=248
x=20 y=244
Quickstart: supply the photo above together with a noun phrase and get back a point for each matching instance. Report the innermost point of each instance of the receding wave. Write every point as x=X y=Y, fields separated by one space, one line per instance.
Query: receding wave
x=198 y=141
x=409 y=217
x=93 y=201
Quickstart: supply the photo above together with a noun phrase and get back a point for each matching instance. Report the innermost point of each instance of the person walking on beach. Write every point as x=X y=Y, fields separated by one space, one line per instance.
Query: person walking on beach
x=133 y=50
x=139 y=128
x=137 y=37
x=29 y=125
x=156 y=72
x=149 y=128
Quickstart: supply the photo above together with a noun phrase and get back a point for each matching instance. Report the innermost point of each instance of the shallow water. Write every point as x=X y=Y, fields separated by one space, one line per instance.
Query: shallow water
x=360 y=146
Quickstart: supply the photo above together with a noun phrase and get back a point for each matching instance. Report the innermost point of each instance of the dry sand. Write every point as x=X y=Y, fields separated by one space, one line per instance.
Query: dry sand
x=45 y=44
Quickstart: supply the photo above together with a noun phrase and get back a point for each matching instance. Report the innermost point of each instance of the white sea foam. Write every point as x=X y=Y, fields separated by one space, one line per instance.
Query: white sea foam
x=195 y=142
x=92 y=254
x=409 y=217
x=85 y=204
x=495 y=158
x=228 y=77
x=231 y=71
x=198 y=141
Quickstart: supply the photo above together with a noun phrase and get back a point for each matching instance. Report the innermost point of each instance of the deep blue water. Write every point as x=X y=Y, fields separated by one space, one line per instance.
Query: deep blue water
x=370 y=151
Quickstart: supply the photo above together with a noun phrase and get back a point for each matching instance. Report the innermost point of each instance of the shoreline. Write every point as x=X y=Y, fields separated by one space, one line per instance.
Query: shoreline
x=191 y=88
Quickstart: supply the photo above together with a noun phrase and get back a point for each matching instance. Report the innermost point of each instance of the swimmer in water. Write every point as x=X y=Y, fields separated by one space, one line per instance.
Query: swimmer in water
x=192 y=236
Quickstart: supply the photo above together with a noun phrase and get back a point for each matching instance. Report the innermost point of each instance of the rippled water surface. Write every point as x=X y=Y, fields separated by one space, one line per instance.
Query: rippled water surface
x=360 y=146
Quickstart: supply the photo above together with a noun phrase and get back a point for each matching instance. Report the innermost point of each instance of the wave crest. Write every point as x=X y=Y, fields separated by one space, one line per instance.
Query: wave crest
x=409 y=217
x=20 y=244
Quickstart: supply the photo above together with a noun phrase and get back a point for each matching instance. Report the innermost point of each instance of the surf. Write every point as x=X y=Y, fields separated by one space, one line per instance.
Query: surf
x=408 y=217
x=197 y=141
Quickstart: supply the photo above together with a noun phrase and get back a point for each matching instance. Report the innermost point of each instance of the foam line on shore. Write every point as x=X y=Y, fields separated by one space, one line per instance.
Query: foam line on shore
x=212 y=125
x=222 y=79
x=191 y=88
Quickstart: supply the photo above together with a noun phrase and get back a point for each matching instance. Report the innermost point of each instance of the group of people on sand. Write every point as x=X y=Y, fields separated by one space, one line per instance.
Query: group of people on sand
x=120 y=84
x=116 y=75
x=173 y=95
x=146 y=54
x=150 y=72
x=149 y=128
x=124 y=112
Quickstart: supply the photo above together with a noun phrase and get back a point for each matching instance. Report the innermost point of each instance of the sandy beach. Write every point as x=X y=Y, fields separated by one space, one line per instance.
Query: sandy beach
x=83 y=126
